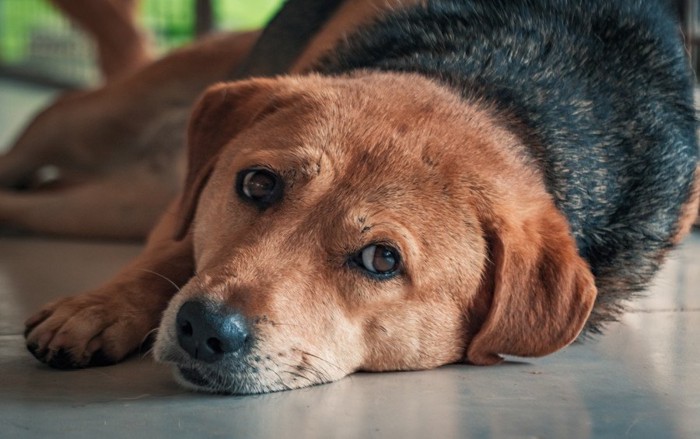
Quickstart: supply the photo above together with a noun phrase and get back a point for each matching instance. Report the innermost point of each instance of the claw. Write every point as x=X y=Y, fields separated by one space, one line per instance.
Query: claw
x=99 y=359
x=62 y=359
x=34 y=349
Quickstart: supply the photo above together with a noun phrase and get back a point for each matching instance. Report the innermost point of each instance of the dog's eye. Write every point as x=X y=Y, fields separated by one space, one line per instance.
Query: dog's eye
x=378 y=260
x=260 y=186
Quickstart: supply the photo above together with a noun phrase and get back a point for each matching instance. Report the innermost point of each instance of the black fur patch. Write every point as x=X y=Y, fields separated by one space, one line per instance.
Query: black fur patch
x=602 y=94
x=285 y=37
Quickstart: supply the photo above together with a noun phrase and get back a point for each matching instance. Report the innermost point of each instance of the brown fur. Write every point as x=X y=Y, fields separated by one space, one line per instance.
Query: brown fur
x=539 y=281
x=689 y=214
x=489 y=265
x=286 y=271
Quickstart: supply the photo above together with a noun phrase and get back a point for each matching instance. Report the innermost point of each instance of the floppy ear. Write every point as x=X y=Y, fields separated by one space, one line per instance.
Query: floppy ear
x=222 y=112
x=542 y=290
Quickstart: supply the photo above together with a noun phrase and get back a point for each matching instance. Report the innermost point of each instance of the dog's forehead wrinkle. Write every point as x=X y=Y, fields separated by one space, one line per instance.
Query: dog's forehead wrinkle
x=360 y=134
x=310 y=159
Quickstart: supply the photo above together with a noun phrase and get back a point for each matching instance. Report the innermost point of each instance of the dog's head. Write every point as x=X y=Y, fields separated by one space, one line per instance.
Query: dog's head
x=374 y=222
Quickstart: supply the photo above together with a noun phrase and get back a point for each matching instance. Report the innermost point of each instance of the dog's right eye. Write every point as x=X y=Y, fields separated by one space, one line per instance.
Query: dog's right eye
x=378 y=260
x=260 y=186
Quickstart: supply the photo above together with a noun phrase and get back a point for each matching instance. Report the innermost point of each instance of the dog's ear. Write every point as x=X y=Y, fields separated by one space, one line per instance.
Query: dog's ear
x=542 y=291
x=222 y=112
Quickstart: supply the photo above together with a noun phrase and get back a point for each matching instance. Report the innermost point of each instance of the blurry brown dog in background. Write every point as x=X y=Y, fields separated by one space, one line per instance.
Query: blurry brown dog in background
x=118 y=148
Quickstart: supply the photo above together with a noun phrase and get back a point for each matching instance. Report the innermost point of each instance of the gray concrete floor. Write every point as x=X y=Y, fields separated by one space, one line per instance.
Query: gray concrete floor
x=639 y=380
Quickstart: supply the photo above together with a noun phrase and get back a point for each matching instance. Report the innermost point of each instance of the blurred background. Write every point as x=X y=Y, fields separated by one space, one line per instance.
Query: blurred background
x=689 y=11
x=37 y=43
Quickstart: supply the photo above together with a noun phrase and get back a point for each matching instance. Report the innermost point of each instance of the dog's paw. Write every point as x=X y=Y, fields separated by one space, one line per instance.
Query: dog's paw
x=88 y=330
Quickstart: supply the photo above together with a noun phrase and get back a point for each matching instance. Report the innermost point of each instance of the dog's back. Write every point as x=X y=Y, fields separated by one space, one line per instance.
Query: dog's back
x=601 y=93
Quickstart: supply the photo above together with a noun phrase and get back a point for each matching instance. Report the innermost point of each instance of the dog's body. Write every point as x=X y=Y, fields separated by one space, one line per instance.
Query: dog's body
x=456 y=181
x=570 y=88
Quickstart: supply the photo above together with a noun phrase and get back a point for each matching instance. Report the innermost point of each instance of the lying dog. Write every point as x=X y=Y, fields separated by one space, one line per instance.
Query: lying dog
x=457 y=181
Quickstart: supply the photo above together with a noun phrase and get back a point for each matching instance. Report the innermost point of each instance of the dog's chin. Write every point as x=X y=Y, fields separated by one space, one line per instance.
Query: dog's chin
x=234 y=376
x=204 y=378
x=201 y=380
x=201 y=377
x=192 y=379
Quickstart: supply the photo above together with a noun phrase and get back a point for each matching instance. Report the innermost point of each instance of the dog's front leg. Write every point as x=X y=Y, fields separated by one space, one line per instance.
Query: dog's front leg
x=104 y=325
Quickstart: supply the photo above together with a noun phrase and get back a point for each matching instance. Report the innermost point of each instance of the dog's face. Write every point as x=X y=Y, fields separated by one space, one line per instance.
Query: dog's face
x=364 y=223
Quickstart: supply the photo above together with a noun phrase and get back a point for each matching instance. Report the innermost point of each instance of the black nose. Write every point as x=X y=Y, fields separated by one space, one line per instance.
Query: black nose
x=208 y=333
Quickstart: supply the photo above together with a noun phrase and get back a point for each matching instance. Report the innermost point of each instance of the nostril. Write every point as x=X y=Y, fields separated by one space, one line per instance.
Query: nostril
x=208 y=332
x=186 y=329
x=215 y=345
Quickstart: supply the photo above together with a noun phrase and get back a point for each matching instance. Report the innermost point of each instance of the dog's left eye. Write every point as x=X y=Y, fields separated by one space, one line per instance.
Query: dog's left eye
x=261 y=186
x=378 y=260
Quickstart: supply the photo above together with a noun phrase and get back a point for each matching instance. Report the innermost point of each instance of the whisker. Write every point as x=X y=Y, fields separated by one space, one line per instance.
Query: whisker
x=323 y=359
x=265 y=321
x=148 y=334
x=310 y=370
x=298 y=375
x=317 y=372
x=148 y=351
x=222 y=382
x=160 y=276
x=322 y=375
x=279 y=378
x=295 y=370
x=284 y=324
